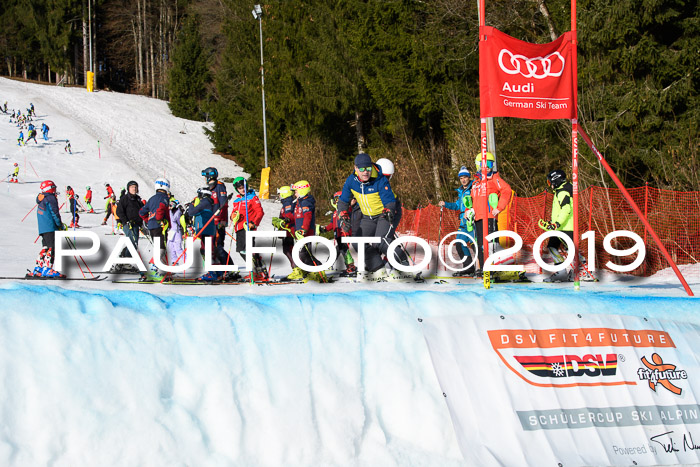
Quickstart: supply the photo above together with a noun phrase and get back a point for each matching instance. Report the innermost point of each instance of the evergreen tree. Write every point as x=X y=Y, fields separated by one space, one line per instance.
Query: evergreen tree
x=189 y=74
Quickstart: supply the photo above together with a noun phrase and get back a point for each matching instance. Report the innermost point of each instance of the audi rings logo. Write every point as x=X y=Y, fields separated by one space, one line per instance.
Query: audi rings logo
x=536 y=67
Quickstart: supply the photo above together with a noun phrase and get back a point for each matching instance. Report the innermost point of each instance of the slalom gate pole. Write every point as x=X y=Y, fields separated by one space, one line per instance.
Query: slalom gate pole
x=439 y=231
x=30 y=164
x=636 y=209
x=247 y=223
x=30 y=211
x=72 y=245
x=574 y=148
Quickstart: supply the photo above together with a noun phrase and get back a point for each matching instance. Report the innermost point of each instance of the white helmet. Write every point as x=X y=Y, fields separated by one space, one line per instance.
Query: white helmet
x=162 y=184
x=387 y=167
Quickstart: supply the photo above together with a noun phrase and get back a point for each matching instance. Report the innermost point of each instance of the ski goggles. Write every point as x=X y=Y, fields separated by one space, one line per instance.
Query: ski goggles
x=364 y=169
x=489 y=165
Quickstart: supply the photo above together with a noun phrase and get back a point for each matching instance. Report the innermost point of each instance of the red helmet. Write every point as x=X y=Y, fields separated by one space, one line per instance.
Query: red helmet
x=15 y=164
x=47 y=186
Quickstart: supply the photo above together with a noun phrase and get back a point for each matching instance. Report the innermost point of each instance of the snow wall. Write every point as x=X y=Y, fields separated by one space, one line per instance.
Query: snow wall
x=131 y=378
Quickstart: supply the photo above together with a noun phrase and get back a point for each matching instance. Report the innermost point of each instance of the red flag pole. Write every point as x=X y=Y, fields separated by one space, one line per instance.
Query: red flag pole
x=574 y=144
x=484 y=149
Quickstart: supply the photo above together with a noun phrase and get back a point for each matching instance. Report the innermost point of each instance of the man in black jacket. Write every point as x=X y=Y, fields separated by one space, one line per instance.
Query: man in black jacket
x=128 y=214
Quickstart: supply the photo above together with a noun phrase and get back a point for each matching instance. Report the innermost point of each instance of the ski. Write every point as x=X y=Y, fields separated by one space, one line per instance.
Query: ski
x=41 y=278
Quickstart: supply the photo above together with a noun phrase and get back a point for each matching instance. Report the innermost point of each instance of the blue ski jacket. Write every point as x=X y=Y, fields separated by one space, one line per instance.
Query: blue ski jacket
x=373 y=196
x=460 y=206
x=305 y=215
x=47 y=213
x=156 y=210
x=201 y=213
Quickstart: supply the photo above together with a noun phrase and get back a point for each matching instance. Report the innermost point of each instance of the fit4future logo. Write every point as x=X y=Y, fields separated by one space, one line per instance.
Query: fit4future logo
x=571 y=357
x=659 y=373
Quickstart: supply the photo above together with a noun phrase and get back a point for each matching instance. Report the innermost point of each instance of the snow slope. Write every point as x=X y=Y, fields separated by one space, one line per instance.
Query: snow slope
x=116 y=374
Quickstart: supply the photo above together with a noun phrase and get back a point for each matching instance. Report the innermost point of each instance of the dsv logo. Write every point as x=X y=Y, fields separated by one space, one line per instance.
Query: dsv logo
x=535 y=67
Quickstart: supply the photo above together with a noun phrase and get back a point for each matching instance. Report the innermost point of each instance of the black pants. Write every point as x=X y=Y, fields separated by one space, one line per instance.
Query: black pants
x=557 y=246
x=221 y=254
x=378 y=227
x=287 y=245
x=157 y=236
x=478 y=236
x=48 y=239
x=131 y=232
x=241 y=248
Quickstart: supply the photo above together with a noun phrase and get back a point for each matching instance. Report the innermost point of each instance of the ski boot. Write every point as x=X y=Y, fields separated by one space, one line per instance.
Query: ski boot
x=51 y=273
x=316 y=277
x=211 y=276
x=350 y=271
x=296 y=275
x=232 y=276
x=561 y=276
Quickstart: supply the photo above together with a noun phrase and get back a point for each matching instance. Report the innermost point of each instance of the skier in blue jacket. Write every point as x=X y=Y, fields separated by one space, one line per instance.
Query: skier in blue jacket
x=463 y=204
x=156 y=215
x=49 y=221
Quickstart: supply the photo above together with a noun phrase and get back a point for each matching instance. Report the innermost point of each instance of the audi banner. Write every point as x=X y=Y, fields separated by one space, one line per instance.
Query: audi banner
x=523 y=80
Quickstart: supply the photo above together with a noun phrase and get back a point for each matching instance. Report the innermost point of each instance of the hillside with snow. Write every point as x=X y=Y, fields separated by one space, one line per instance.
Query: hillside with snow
x=97 y=373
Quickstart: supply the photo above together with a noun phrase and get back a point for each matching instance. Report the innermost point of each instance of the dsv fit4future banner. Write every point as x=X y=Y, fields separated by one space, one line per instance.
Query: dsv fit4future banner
x=569 y=390
x=524 y=80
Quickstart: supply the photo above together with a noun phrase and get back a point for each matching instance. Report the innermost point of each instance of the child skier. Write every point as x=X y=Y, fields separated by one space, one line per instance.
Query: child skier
x=20 y=140
x=73 y=202
x=67 y=148
x=49 y=221
x=31 y=135
x=177 y=229
x=88 y=200
x=15 y=174
x=305 y=225
x=246 y=214
x=45 y=131
x=286 y=222
x=342 y=248
x=463 y=204
x=202 y=211
x=110 y=191
x=155 y=215
x=110 y=209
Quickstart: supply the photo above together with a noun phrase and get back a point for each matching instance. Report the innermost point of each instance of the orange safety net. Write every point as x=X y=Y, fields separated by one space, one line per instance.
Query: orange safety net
x=674 y=216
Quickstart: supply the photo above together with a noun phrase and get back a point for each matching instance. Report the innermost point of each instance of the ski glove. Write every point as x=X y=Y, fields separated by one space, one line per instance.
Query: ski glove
x=279 y=223
x=249 y=226
x=299 y=234
x=552 y=225
x=388 y=214
x=470 y=215
x=344 y=223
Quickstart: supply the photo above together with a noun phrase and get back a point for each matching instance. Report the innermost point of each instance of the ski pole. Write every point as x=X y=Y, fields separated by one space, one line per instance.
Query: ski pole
x=196 y=236
x=72 y=245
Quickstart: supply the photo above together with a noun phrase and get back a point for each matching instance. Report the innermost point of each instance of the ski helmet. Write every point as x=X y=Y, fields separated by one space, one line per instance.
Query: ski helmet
x=15 y=164
x=68 y=188
x=204 y=191
x=464 y=172
x=284 y=192
x=132 y=183
x=162 y=184
x=490 y=161
x=302 y=188
x=387 y=167
x=87 y=188
x=106 y=184
x=556 y=178
x=334 y=199
x=210 y=173
x=47 y=186
x=174 y=203
x=238 y=182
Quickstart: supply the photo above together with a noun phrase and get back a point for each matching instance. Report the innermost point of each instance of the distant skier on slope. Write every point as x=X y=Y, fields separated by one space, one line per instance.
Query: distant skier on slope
x=88 y=200
x=14 y=178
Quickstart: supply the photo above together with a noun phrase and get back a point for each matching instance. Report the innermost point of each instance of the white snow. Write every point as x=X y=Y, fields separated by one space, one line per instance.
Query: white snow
x=315 y=374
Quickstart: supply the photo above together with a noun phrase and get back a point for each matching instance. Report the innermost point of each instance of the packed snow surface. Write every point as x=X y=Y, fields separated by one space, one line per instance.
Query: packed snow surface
x=132 y=374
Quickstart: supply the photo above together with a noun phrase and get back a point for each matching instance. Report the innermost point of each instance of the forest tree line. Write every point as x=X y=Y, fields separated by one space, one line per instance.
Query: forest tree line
x=397 y=79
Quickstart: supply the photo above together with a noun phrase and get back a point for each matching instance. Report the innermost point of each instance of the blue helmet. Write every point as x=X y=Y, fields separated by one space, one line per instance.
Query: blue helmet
x=210 y=173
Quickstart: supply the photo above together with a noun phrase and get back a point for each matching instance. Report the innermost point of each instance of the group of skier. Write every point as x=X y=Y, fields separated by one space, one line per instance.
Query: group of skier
x=366 y=206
